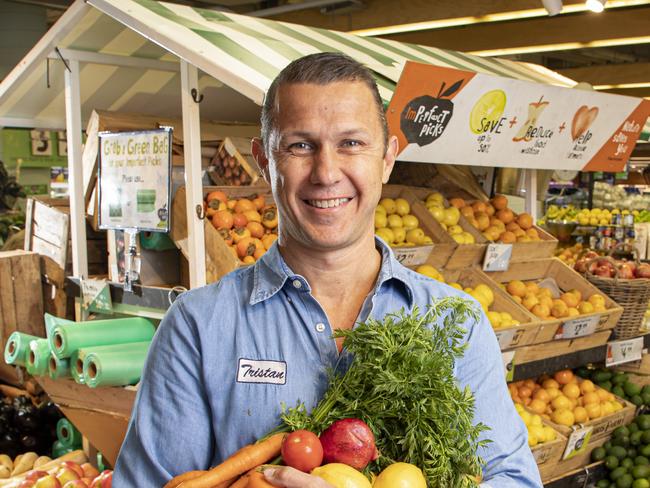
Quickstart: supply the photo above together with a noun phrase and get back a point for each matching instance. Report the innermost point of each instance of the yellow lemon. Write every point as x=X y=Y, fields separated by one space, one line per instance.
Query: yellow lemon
x=486 y=292
x=342 y=476
x=430 y=271
x=401 y=475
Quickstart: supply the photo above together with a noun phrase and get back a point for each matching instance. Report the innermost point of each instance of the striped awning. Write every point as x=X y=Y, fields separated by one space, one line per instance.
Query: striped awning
x=238 y=57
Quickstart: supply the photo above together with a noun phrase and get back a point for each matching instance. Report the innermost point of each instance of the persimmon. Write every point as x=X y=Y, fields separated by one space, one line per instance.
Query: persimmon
x=270 y=217
x=213 y=206
x=216 y=195
x=239 y=233
x=225 y=235
x=268 y=240
x=248 y=245
x=259 y=201
x=257 y=229
x=244 y=205
x=239 y=220
x=222 y=219
x=253 y=216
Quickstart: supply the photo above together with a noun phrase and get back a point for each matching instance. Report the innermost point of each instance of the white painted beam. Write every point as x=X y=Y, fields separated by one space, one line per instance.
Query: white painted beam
x=531 y=192
x=193 y=183
x=75 y=171
x=114 y=60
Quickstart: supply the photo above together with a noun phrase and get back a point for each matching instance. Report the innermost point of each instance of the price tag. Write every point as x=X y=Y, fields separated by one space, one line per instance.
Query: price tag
x=413 y=256
x=508 y=359
x=506 y=337
x=578 y=442
x=619 y=352
x=579 y=327
x=96 y=296
x=497 y=257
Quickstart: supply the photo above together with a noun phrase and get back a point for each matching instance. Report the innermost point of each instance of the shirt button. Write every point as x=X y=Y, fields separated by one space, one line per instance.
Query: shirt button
x=320 y=327
x=297 y=284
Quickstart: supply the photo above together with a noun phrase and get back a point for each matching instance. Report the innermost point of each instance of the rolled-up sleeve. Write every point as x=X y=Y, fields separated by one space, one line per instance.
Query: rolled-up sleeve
x=170 y=429
x=509 y=462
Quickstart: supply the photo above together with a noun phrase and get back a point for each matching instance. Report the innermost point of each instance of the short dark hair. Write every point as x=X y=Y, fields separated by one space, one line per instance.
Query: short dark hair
x=319 y=69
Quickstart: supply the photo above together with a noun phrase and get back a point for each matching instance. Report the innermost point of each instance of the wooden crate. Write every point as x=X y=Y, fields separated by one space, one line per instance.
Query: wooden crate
x=566 y=279
x=464 y=254
x=100 y=414
x=537 y=352
x=549 y=452
x=641 y=368
x=523 y=252
x=509 y=337
x=436 y=254
x=558 y=469
x=219 y=260
x=234 y=164
x=21 y=301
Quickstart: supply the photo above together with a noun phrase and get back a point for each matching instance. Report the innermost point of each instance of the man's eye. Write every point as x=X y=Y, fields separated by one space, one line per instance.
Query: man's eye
x=352 y=143
x=299 y=147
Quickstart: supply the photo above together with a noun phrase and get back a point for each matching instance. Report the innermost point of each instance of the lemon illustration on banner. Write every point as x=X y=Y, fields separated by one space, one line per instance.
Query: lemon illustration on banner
x=487 y=111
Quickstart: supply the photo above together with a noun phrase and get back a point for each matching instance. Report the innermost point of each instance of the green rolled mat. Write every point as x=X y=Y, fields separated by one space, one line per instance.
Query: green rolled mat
x=38 y=357
x=67 y=434
x=58 y=368
x=17 y=348
x=77 y=358
x=156 y=241
x=67 y=336
x=112 y=368
x=59 y=449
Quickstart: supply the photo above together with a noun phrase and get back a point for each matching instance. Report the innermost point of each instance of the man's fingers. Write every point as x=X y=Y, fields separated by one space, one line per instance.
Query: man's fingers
x=288 y=477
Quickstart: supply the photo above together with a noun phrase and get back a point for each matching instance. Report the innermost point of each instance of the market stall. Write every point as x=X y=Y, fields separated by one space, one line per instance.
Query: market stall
x=138 y=56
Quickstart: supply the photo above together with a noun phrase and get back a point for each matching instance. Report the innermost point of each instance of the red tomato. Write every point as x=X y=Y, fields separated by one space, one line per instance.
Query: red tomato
x=302 y=450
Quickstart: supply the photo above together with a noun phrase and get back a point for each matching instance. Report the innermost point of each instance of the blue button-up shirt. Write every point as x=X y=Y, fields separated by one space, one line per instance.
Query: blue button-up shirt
x=227 y=355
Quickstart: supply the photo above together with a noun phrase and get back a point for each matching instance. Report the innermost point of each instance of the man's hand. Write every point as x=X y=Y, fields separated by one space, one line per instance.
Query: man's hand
x=292 y=478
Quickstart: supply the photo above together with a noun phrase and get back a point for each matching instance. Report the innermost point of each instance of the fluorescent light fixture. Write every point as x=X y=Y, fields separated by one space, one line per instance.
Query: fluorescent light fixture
x=596 y=5
x=553 y=7
x=621 y=41
x=482 y=19
x=623 y=86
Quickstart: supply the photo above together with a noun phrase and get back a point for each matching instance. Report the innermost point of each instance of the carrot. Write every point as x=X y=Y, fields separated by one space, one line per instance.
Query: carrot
x=245 y=459
x=257 y=480
x=177 y=480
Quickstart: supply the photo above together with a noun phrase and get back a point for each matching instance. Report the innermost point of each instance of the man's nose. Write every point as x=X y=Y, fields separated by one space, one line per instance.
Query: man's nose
x=326 y=167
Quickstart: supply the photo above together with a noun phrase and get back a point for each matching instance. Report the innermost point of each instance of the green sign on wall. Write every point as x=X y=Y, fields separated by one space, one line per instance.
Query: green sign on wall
x=27 y=148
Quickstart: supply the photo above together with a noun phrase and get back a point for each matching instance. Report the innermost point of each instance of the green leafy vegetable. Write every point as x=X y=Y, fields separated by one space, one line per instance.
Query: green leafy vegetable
x=401 y=384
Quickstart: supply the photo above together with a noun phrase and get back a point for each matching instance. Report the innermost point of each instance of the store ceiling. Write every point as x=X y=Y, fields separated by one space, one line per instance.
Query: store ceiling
x=610 y=50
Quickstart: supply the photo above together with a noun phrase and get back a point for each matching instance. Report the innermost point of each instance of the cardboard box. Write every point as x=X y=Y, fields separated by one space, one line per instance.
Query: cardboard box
x=549 y=452
x=566 y=279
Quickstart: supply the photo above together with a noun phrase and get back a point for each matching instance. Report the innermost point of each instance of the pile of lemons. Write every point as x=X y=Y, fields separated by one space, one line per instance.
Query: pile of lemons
x=395 y=224
x=448 y=218
x=538 y=433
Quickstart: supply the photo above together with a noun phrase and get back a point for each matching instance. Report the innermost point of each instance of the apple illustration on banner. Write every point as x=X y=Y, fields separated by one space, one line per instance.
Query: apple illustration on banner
x=582 y=120
x=535 y=109
x=425 y=118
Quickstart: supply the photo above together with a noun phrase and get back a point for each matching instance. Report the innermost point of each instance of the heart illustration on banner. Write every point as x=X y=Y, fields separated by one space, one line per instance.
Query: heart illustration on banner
x=582 y=120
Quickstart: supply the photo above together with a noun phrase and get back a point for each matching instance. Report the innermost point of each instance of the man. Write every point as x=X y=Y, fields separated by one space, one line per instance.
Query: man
x=227 y=356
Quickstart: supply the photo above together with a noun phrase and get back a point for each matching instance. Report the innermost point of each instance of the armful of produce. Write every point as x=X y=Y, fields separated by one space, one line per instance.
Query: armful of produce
x=397 y=405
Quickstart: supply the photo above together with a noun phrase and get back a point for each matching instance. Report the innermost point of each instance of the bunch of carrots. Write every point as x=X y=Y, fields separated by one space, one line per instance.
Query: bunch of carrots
x=241 y=470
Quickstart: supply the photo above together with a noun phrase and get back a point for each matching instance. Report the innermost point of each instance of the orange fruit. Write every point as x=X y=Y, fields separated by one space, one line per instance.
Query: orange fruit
x=457 y=202
x=603 y=395
x=559 y=309
x=508 y=237
x=505 y=215
x=479 y=206
x=553 y=393
x=570 y=299
x=563 y=416
x=516 y=288
x=542 y=395
x=550 y=383
x=564 y=376
x=525 y=392
x=499 y=202
x=541 y=310
x=525 y=221
x=571 y=391
x=587 y=386
x=561 y=402
x=537 y=406
x=580 y=415
x=593 y=410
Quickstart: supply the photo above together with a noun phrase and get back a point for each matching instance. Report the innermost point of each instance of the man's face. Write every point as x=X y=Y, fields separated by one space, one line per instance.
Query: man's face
x=328 y=163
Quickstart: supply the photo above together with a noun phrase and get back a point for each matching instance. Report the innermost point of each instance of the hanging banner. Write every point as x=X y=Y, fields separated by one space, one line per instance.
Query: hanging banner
x=444 y=115
x=134 y=180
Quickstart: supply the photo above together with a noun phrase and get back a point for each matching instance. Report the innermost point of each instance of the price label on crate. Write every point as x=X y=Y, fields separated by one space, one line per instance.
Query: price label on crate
x=579 y=327
x=578 y=442
x=506 y=337
x=508 y=359
x=413 y=256
x=497 y=257
x=96 y=296
x=625 y=351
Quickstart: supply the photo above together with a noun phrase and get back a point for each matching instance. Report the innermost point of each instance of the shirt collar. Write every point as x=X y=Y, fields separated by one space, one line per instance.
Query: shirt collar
x=271 y=273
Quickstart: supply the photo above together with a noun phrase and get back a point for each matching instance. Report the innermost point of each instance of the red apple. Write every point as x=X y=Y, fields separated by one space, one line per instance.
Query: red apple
x=581 y=265
x=75 y=484
x=643 y=271
x=75 y=467
x=27 y=484
x=48 y=481
x=104 y=479
x=65 y=474
x=603 y=271
x=89 y=471
x=625 y=272
x=35 y=475
x=88 y=481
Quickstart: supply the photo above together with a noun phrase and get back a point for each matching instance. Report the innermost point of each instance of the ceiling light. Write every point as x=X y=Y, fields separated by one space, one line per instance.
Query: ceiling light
x=623 y=86
x=553 y=7
x=564 y=46
x=596 y=5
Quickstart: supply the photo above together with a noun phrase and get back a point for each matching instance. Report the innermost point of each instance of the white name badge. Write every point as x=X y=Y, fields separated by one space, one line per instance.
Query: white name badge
x=270 y=372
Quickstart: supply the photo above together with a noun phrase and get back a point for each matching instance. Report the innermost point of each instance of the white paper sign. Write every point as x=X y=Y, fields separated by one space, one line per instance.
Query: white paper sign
x=96 y=295
x=508 y=359
x=497 y=257
x=579 y=327
x=134 y=180
x=506 y=337
x=625 y=351
x=578 y=442
x=412 y=256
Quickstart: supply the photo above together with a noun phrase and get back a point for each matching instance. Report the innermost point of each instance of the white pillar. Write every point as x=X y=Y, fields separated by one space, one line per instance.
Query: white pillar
x=75 y=171
x=531 y=192
x=193 y=184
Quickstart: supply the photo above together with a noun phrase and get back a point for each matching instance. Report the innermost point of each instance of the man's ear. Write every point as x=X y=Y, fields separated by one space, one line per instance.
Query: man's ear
x=389 y=158
x=257 y=148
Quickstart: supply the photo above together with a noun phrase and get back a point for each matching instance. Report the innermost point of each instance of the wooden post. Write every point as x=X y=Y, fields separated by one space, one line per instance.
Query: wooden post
x=75 y=170
x=194 y=189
